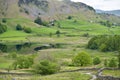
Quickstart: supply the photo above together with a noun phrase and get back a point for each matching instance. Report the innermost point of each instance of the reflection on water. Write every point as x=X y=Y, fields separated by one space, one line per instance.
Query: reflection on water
x=13 y=47
x=28 y=47
x=3 y=47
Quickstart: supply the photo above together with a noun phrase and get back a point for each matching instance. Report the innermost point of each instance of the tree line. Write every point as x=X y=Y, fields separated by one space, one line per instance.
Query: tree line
x=105 y=43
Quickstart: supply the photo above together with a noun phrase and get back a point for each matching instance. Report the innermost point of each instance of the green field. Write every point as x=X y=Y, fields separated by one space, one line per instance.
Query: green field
x=67 y=28
x=72 y=41
x=115 y=73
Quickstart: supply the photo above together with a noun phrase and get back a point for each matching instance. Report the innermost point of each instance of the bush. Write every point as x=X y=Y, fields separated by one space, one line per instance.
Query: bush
x=46 y=67
x=69 y=17
x=3 y=28
x=4 y=20
x=112 y=63
x=96 y=61
x=38 y=20
x=3 y=47
x=27 y=12
x=27 y=30
x=58 y=33
x=103 y=48
x=12 y=55
x=23 y=62
x=82 y=59
x=18 y=27
x=86 y=35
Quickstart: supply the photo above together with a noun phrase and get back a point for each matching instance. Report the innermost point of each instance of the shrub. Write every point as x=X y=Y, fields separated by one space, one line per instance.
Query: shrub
x=46 y=67
x=4 y=20
x=82 y=59
x=38 y=20
x=86 y=35
x=3 y=28
x=27 y=30
x=103 y=48
x=96 y=61
x=23 y=62
x=112 y=63
x=12 y=55
x=69 y=17
x=92 y=44
x=18 y=47
x=58 y=33
x=18 y=27
x=3 y=47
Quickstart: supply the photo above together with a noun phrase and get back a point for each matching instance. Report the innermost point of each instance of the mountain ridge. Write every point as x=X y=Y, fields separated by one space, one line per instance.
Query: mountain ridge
x=114 y=12
x=51 y=9
x=34 y=8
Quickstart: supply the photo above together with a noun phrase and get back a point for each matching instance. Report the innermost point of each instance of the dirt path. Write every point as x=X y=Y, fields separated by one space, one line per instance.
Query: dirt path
x=94 y=77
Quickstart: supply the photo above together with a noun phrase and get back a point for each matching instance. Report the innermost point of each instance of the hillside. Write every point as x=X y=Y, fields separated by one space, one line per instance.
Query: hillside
x=51 y=9
x=46 y=8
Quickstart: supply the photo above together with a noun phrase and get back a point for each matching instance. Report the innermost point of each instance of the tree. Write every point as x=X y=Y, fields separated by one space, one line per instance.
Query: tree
x=19 y=27
x=108 y=24
x=103 y=48
x=18 y=47
x=4 y=20
x=3 y=28
x=105 y=43
x=69 y=17
x=96 y=61
x=58 y=33
x=46 y=67
x=3 y=47
x=82 y=59
x=38 y=20
x=27 y=30
x=112 y=63
x=92 y=44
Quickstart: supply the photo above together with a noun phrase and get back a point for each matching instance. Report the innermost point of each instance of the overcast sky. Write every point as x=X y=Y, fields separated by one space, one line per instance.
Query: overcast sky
x=102 y=4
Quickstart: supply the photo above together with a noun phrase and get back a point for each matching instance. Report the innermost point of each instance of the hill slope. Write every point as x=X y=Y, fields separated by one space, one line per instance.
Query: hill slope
x=51 y=9
x=33 y=8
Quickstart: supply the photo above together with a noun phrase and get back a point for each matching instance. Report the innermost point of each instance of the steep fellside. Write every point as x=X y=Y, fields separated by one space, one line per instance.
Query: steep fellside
x=43 y=8
x=10 y=9
x=51 y=9
x=54 y=8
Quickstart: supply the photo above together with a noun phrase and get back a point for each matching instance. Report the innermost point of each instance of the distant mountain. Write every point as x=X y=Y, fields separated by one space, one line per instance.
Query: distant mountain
x=115 y=12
